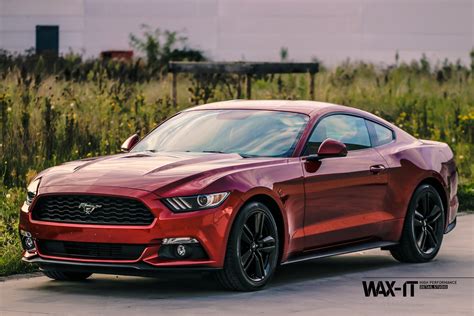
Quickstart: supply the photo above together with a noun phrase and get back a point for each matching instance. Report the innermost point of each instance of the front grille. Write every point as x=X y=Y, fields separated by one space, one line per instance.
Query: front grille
x=77 y=209
x=86 y=250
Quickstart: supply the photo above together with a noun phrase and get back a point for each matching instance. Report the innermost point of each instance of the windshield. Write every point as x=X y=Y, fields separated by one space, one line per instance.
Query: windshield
x=250 y=133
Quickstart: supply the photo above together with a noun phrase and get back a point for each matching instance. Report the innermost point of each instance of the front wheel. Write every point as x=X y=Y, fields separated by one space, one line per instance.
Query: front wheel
x=423 y=229
x=252 y=250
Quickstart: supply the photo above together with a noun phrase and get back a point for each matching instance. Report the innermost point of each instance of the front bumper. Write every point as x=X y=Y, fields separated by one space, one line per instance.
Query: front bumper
x=209 y=227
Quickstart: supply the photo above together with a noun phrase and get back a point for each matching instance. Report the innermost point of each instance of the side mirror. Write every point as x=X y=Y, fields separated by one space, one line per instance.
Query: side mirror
x=329 y=148
x=129 y=143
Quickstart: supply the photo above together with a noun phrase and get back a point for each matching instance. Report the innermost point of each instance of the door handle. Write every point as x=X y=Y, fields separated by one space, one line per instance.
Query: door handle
x=377 y=169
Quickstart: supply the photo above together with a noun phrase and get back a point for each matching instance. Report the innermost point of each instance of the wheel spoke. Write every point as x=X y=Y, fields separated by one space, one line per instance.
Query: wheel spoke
x=422 y=240
x=267 y=244
x=419 y=216
x=270 y=248
x=246 y=257
x=259 y=222
x=259 y=266
x=435 y=214
x=432 y=236
x=426 y=204
x=417 y=222
x=247 y=235
x=249 y=261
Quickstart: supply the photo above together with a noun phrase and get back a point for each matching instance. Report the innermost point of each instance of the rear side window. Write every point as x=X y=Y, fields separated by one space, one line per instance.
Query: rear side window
x=351 y=130
x=380 y=134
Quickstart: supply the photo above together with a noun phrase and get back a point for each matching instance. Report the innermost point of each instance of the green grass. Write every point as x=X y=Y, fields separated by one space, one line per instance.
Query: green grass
x=10 y=247
x=46 y=119
x=466 y=197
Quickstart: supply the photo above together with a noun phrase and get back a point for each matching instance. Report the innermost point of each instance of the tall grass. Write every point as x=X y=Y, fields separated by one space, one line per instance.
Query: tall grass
x=46 y=120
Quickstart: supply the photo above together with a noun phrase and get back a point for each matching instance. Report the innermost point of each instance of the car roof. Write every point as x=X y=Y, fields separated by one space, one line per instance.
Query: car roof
x=305 y=107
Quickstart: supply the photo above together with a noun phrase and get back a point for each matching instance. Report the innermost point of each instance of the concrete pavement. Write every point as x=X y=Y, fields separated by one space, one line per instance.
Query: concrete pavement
x=331 y=286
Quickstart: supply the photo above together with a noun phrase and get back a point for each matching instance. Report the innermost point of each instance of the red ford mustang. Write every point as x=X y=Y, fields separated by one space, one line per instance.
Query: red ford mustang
x=240 y=187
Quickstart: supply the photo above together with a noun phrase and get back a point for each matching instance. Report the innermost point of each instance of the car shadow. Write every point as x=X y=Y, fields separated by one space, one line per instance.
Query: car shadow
x=189 y=285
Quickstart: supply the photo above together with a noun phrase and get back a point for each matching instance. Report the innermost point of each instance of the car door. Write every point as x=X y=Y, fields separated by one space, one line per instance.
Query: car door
x=344 y=196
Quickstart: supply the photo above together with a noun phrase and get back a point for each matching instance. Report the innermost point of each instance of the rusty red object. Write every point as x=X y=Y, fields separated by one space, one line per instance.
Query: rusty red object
x=117 y=54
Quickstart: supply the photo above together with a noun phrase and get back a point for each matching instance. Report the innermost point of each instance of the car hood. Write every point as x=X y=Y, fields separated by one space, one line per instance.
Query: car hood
x=154 y=172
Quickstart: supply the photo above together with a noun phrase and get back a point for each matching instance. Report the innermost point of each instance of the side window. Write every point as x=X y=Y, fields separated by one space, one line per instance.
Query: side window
x=351 y=130
x=381 y=134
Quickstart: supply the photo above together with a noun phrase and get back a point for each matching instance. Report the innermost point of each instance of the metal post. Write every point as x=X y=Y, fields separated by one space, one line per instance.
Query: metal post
x=311 y=85
x=174 y=90
x=249 y=86
x=239 y=86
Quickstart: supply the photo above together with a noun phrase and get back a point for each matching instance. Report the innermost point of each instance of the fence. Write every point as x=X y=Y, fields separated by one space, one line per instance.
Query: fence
x=246 y=70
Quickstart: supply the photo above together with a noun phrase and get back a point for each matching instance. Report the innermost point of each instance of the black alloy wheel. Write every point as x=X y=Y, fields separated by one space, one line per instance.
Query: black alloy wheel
x=426 y=223
x=252 y=250
x=423 y=229
x=257 y=246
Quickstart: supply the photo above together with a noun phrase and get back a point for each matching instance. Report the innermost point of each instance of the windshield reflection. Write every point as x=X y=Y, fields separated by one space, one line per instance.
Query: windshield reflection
x=250 y=133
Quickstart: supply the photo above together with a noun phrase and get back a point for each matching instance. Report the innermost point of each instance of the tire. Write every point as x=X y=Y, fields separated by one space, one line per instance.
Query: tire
x=66 y=275
x=252 y=250
x=423 y=229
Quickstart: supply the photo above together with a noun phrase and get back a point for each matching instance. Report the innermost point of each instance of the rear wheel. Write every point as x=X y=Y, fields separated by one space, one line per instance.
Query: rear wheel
x=252 y=250
x=66 y=275
x=423 y=228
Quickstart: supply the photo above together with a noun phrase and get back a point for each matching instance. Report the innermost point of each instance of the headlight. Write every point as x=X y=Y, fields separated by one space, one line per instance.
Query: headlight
x=32 y=191
x=196 y=202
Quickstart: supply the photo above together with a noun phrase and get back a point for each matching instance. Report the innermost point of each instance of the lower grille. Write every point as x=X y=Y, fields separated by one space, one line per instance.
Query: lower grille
x=86 y=250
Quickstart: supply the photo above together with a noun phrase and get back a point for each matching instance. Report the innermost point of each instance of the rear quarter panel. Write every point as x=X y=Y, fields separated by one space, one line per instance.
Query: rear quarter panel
x=412 y=161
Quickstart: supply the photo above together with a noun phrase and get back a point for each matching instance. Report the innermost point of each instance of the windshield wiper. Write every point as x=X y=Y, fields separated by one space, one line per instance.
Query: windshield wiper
x=214 y=152
x=248 y=156
x=223 y=152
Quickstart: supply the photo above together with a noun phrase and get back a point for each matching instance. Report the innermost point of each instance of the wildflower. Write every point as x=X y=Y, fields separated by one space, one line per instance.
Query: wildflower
x=9 y=109
x=8 y=195
x=461 y=157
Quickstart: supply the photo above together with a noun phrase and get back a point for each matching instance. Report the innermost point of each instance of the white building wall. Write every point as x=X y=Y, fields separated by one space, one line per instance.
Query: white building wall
x=18 y=20
x=331 y=30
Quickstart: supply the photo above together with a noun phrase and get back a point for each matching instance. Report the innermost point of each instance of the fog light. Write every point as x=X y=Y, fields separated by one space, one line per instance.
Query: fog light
x=27 y=240
x=29 y=244
x=181 y=250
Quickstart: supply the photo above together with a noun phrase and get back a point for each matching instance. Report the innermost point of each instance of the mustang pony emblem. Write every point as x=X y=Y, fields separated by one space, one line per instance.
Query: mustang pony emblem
x=88 y=208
